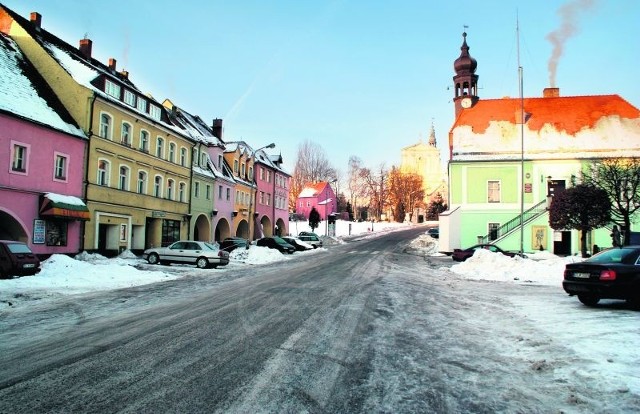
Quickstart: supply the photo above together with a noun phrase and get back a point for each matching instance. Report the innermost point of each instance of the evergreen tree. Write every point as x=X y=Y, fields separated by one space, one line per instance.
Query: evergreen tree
x=436 y=207
x=314 y=219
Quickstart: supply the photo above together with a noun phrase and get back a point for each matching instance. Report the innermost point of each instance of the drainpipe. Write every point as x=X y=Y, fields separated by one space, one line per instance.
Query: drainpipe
x=86 y=168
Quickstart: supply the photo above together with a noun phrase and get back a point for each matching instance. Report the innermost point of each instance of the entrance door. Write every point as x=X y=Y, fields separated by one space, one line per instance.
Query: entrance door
x=562 y=243
x=555 y=186
x=102 y=237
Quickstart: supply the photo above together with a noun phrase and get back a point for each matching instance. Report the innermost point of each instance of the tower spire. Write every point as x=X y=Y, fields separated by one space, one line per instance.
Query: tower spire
x=465 y=81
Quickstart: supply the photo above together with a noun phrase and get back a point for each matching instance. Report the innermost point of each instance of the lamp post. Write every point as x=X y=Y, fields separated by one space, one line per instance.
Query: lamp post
x=252 y=183
x=326 y=201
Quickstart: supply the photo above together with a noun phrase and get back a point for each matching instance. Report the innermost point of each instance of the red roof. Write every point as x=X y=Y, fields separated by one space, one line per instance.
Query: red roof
x=312 y=190
x=565 y=113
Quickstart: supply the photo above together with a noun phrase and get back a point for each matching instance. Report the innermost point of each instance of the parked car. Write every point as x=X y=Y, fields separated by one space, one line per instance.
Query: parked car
x=434 y=232
x=17 y=259
x=311 y=238
x=277 y=243
x=460 y=255
x=611 y=274
x=231 y=243
x=200 y=253
x=298 y=244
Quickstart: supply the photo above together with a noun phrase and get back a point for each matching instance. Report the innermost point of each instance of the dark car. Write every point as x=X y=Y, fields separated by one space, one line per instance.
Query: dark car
x=460 y=255
x=311 y=238
x=610 y=274
x=199 y=253
x=277 y=243
x=17 y=259
x=231 y=243
x=300 y=245
x=434 y=232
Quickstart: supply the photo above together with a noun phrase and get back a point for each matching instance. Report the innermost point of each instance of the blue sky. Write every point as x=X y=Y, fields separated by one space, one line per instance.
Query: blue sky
x=363 y=78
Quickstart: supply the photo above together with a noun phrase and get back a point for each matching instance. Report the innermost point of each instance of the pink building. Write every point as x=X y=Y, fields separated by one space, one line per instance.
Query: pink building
x=319 y=195
x=42 y=161
x=272 y=197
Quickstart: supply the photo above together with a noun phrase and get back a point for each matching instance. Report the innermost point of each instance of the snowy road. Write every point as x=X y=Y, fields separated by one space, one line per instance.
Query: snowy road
x=366 y=327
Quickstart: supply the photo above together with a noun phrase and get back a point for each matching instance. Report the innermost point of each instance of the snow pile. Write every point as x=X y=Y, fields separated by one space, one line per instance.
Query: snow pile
x=256 y=255
x=426 y=244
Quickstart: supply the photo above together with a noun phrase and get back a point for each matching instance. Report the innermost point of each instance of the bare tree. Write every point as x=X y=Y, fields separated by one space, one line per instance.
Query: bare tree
x=620 y=178
x=355 y=184
x=375 y=182
x=312 y=165
x=405 y=192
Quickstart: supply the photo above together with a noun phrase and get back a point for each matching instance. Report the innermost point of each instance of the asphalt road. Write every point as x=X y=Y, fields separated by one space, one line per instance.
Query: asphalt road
x=195 y=345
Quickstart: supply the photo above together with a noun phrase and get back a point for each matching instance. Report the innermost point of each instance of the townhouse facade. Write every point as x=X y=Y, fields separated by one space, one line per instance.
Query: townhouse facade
x=272 y=199
x=510 y=156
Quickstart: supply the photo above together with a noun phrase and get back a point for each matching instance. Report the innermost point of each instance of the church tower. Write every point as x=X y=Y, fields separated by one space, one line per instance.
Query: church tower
x=466 y=81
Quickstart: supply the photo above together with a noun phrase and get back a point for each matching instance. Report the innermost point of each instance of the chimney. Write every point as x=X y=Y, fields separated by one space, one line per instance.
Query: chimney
x=217 y=128
x=36 y=20
x=125 y=74
x=85 y=47
x=551 y=92
x=112 y=64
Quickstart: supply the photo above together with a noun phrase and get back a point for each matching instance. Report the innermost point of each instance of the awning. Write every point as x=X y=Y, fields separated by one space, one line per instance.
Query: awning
x=63 y=206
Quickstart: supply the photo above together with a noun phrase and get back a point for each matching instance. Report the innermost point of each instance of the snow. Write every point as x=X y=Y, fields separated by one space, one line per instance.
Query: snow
x=65 y=199
x=584 y=337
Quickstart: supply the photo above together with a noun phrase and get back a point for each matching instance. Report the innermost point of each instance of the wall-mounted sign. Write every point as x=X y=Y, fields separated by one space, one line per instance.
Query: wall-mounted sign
x=156 y=213
x=38 y=232
x=528 y=188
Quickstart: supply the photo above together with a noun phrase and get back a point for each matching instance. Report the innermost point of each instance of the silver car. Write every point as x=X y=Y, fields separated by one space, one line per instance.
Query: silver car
x=200 y=253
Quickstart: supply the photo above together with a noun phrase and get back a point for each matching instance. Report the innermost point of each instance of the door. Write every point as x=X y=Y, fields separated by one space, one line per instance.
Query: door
x=555 y=187
x=562 y=243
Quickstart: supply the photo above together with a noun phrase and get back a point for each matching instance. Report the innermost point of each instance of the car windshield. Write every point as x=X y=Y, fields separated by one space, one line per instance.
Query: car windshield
x=210 y=246
x=18 y=248
x=279 y=239
x=611 y=256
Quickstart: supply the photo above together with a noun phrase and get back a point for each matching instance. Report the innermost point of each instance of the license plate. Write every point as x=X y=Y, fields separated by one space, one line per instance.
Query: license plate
x=29 y=265
x=582 y=275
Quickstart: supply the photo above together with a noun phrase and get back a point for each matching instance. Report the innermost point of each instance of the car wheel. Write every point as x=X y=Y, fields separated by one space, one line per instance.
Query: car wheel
x=589 y=300
x=153 y=258
x=202 y=263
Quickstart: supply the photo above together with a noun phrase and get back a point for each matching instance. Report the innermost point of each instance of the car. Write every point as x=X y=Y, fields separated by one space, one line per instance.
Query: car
x=200 y=253
x=298 y=244
x=434 y=232
x=17 y=259
x=311 y=238
x=460 y=255
x=611 y=274
x=277 y=243
x=231 y=243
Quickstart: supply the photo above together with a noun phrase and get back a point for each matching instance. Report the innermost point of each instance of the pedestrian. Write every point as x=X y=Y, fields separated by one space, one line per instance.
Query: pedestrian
x=615 y=236
x=596 y=249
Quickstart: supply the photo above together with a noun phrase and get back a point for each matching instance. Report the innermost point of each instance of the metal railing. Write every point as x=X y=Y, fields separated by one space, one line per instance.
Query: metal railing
x=514 y=223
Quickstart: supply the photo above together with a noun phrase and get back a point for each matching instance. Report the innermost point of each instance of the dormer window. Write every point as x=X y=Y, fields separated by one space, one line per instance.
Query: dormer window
x=142 y=105
x=155 y=112
x=112 y=89
x=129 y=98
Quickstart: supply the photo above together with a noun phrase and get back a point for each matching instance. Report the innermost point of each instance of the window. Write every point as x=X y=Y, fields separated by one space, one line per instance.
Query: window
x=142 y=105
x=268 y=199
x=172 y=152
x=157 y=186
x=242 y=169
x=144 y=141
x=235 y=167
x=219 y=162
x=238 y=197
x=142 y=182
x=493 y=231
x=105 y=126
x=123 y=180
x=196 y=189
x=125 y=135
x=219 y=192
x=112 y=89
x=103 y=172
x=129 y=98
x=170 y=232
x=493 y=191
x=19 y=162
x=203 y=159
x=155 y=112
x=261 y=197
x=60 y=168
x=208 y=192
x=183 y=156
x=170 y=187
x=261 y=174
x=194 y=156
x=181 y=192
x=228 y=194
x=56 y=232
x=159 y=147
x=251 y=173
x=308 y=203
x=268 y=176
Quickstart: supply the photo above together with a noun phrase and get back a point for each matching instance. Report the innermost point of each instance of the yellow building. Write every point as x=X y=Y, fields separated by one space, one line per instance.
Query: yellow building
x=139 y=165
x=238 y=156
x=424 y=160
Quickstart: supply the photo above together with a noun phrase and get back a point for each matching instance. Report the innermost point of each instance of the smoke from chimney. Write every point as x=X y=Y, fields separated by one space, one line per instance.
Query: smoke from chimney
x=568 y=27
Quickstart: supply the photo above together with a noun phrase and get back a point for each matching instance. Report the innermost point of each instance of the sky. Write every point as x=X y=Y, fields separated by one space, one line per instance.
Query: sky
x=592 y=356
x=359 y=78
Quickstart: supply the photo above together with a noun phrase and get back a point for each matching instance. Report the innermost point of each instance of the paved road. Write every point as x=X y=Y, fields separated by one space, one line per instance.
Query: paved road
x=292 y=329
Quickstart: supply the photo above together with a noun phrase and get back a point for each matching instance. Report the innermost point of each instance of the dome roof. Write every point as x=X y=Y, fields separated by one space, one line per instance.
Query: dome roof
x=465 y=64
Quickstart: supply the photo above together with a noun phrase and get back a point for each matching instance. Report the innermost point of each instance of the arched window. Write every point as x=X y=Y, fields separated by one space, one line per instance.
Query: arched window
x=103 y=172
x=105 y=126
x=172 y=152
x=125 y=134
x=144 y=141
x=170 y=187
x=157 y=186
x=183 y=156
x=181 y=192
x=159 y=147
x=142 y=182
x=123 y=180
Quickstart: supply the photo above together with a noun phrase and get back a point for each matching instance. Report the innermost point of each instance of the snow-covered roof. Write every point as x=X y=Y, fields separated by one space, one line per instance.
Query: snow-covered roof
x=65 y=199
x=312 y=190
x=24 y=93
x=193 y=125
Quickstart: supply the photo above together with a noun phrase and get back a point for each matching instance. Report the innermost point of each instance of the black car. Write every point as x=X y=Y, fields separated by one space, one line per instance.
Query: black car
x=434 y=232
x=311 y=238
x=610 y=274
x=300 y=245
x=16 y=258
x=277 y=243
x=460 y=255
x=231 y=243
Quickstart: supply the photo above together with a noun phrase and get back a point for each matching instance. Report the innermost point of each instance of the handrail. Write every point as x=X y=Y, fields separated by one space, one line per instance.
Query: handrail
x=514 y=223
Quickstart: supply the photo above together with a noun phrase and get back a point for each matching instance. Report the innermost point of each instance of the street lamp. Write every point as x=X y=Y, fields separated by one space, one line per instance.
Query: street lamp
x=252 y=182
x=326 y=201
